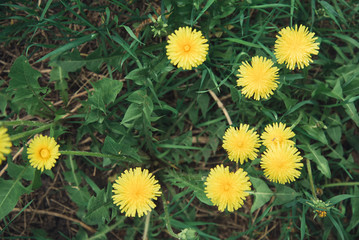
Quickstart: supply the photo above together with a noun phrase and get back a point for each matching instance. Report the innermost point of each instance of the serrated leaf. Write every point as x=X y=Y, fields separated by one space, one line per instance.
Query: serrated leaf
x=106 y=91
x=22 y=75
x=97 y=209
x=10 y=192
x=79 y=195
x=113 y=147
x=262 y=193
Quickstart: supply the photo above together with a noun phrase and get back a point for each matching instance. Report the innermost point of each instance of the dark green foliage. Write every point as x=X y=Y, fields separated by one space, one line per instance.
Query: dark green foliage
x=95 y=75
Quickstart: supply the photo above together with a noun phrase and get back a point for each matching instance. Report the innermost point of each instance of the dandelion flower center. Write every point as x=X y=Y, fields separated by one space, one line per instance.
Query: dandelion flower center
x=43 y=151
x=227 y=189
x=259 y=79
x=134 y=192
x=281 y=163
x=186 y=48
x=294 y=47
x=241 y=143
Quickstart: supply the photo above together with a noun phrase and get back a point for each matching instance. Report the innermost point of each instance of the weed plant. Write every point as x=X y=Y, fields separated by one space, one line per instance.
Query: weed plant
x=94 y=76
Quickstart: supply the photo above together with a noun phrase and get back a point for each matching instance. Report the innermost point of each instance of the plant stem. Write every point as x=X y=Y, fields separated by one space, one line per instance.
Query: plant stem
x=91 y=154
x=311 y=178
x=21 y=122
x=102 y=234
x=30 y=132
x=344 y=184
x=147 y=224
x=167 y=219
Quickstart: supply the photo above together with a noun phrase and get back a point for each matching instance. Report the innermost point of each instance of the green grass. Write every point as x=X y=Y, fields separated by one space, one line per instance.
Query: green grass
x=93 y=75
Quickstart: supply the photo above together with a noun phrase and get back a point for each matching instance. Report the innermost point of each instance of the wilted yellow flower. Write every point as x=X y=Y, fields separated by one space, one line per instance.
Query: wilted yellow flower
x=227 y=189
x=277 y=134
x=241 y=143
x=259 y=79
x=281 y=163
x=321 y=214
x=134 y=191
x=5 y=143
x=187 y=48
x=43 y=151
x=295 y=46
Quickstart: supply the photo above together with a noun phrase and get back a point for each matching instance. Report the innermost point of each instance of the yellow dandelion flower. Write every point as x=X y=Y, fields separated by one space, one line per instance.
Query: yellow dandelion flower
x=281 y=163
x=259 y=80
x=134 y=191
x=187 y=48
x=295 y=46
x=227 y=189
x=43 y=151
x=277 y=134
x=5 y=144
x=241 y=143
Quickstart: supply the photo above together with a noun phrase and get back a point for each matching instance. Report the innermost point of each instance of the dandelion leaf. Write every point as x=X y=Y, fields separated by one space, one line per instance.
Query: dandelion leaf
x=284 y=194
x=262 y=193
x=10 y=192
x=97 y=209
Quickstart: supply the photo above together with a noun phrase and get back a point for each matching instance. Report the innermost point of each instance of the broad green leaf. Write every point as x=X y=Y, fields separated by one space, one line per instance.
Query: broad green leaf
x=123 y=147
x=79 y=195
x=339 y=198
x=134 y=111
x=22 y=75
x=25 y=88
x=10 y=192
x=262 y=193
x=14 y=170
x=69 y=62
x=138 y=75
x=335 y=133
x=321 y=161
x=94 y=61
x=284 y=194
x=338 y=91
x=315 y=133
x=352 y=112
x=97 y=209
x=106 y=91
x=203 y=102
